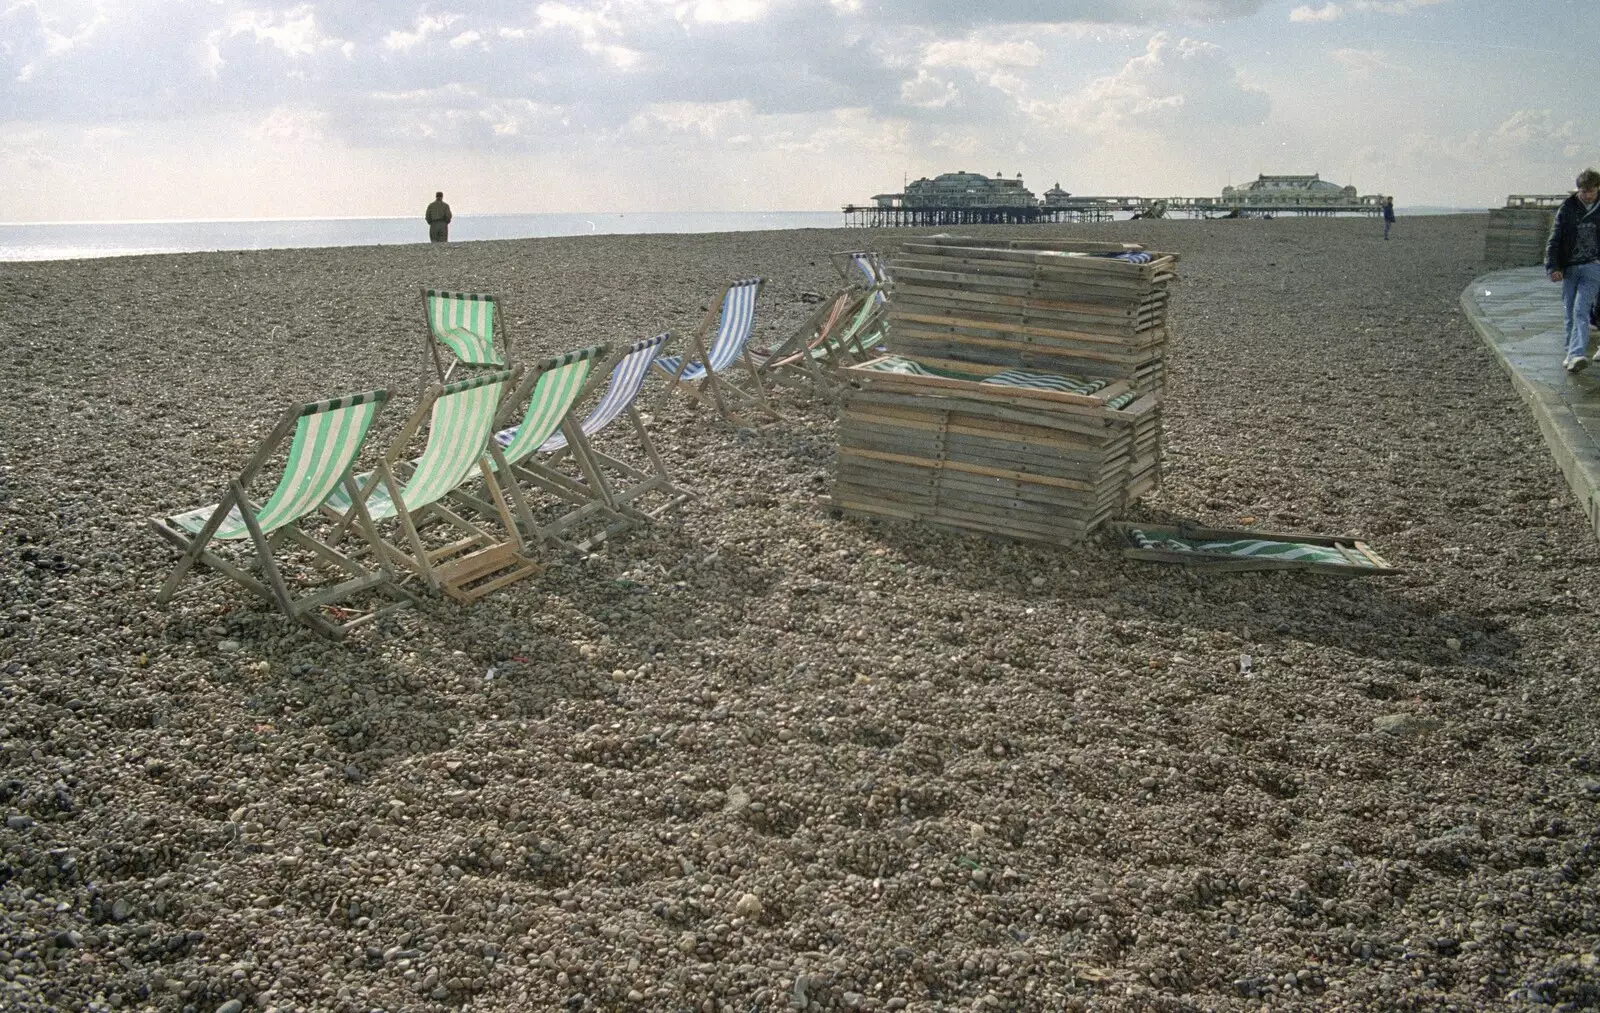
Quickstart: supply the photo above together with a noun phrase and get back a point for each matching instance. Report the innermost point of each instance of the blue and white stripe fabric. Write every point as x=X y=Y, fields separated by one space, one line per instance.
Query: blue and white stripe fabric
x=733 y=330
x=621 y=389
x=1132 y=258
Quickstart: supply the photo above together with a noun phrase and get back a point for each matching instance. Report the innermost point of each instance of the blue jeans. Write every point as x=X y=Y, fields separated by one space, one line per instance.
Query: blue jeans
x=1580 y=284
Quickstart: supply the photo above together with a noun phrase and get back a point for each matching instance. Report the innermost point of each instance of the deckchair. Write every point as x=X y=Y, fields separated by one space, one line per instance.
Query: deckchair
x=465 y=323
x=862 y=268
x=1229 y=549
x=626 y=378
x=827 y=341
x=706 y=379
x=460 y=417
x=327 y=435
x=550 y=391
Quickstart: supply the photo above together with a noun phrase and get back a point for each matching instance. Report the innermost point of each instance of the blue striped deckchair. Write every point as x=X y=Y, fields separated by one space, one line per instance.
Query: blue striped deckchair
x=465 y=324
x=626 y=378
x=861 y=268
x=706 y=379
x=460 y=417
x=327 y=435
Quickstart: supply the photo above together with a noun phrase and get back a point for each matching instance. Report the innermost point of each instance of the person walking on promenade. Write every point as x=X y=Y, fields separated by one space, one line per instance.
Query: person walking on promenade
x=438 y=219
x=1572 y=257
x=1388 y=216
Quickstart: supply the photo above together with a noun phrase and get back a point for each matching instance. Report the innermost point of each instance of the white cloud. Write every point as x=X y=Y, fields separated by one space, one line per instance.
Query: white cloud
x=1363 y=63
x=1184 y=86
x=721 y=11
x=425 y=26
x=1327 y=12
x=928 y=92
x=300 y=125
x=708 y=120
x=466 y=39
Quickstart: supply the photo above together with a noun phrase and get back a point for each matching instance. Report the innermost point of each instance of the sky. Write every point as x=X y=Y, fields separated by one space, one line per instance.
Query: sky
x=203 y=109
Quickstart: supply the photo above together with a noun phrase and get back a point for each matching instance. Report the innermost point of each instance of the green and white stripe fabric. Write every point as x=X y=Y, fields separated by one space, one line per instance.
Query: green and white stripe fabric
x=1255 y=548
x=1044 y=381
x=458 y=434
x=327 y=438
x=464 y=323
x=561 y=380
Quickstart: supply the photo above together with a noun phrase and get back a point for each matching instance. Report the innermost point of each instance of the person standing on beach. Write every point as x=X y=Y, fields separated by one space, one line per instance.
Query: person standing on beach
x=1572 y=257
x=1388 y=216
x=438 y=219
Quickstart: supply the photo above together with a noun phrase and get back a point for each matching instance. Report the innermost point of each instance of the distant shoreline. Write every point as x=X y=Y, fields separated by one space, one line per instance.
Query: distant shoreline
x=29 y=242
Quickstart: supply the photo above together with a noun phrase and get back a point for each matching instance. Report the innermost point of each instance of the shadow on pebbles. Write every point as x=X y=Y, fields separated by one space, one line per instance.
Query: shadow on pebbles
x=759 y=757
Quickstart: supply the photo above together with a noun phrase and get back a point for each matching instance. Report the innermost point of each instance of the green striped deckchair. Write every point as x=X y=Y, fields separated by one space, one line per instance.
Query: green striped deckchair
x=1232 y=549
x=551 y=391
x=460 y=416
x=327 y=435
x=465 y=324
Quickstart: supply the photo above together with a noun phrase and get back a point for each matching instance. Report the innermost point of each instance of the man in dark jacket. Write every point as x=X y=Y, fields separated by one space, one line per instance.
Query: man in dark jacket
x=1572 y=257
x=438 y=219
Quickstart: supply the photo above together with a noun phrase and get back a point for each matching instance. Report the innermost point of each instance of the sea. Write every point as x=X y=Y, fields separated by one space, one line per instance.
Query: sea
x=78 y=240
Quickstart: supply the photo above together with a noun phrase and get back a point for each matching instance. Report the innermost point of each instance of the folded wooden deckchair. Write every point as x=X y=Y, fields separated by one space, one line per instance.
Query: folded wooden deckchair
x=1232 y=549
x=460 y=416
x=625 y=380
x=327 y=436
x=707 y=379
x=465 y=323
x=550 y=391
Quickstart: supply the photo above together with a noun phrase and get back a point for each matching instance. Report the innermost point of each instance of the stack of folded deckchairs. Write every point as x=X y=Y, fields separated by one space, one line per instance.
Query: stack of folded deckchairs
x=1083 y=309
x=1022 y=393
x=1011 y=452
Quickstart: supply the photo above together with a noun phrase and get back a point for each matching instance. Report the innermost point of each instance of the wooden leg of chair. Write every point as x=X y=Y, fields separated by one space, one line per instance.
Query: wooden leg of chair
x=269 y=569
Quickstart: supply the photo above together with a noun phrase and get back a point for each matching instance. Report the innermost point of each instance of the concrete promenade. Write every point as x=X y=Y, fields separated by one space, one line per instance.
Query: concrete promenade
x=1518 y=314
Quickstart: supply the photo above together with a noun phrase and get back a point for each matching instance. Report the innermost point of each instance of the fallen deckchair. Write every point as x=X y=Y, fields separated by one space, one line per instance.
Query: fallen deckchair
x=465 y=325
x=706 y=379
x=626 y=378
x=460 y=417
x=327 y=435
x=551 y=390
x=1234 y=550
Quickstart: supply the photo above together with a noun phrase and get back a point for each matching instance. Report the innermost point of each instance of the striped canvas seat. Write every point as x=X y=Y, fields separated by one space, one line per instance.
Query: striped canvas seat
x=707 y=379
x=327 y=435
x=733 y=331
x=558 y=383
x=465 y=324
x=627 y=377
x=462 y=418
x=591 y=494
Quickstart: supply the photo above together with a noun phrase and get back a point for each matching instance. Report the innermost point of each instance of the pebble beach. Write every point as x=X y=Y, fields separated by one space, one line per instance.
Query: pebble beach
x=762 y=757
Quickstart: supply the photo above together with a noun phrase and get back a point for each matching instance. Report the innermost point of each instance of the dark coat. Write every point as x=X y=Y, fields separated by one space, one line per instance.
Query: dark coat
x=1558 y=251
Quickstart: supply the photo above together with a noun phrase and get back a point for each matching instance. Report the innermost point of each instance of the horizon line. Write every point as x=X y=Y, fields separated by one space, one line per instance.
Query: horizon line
x=394 y=218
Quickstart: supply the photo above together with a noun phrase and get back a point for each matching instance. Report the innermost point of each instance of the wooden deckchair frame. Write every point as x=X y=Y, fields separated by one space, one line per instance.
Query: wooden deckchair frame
x=1363 y=561
x=499 y=329
x=470 y=567
x=272 y=584
x=714 y=389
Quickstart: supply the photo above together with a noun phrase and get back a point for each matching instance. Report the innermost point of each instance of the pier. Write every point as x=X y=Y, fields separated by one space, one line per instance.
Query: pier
x=1099 y=209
